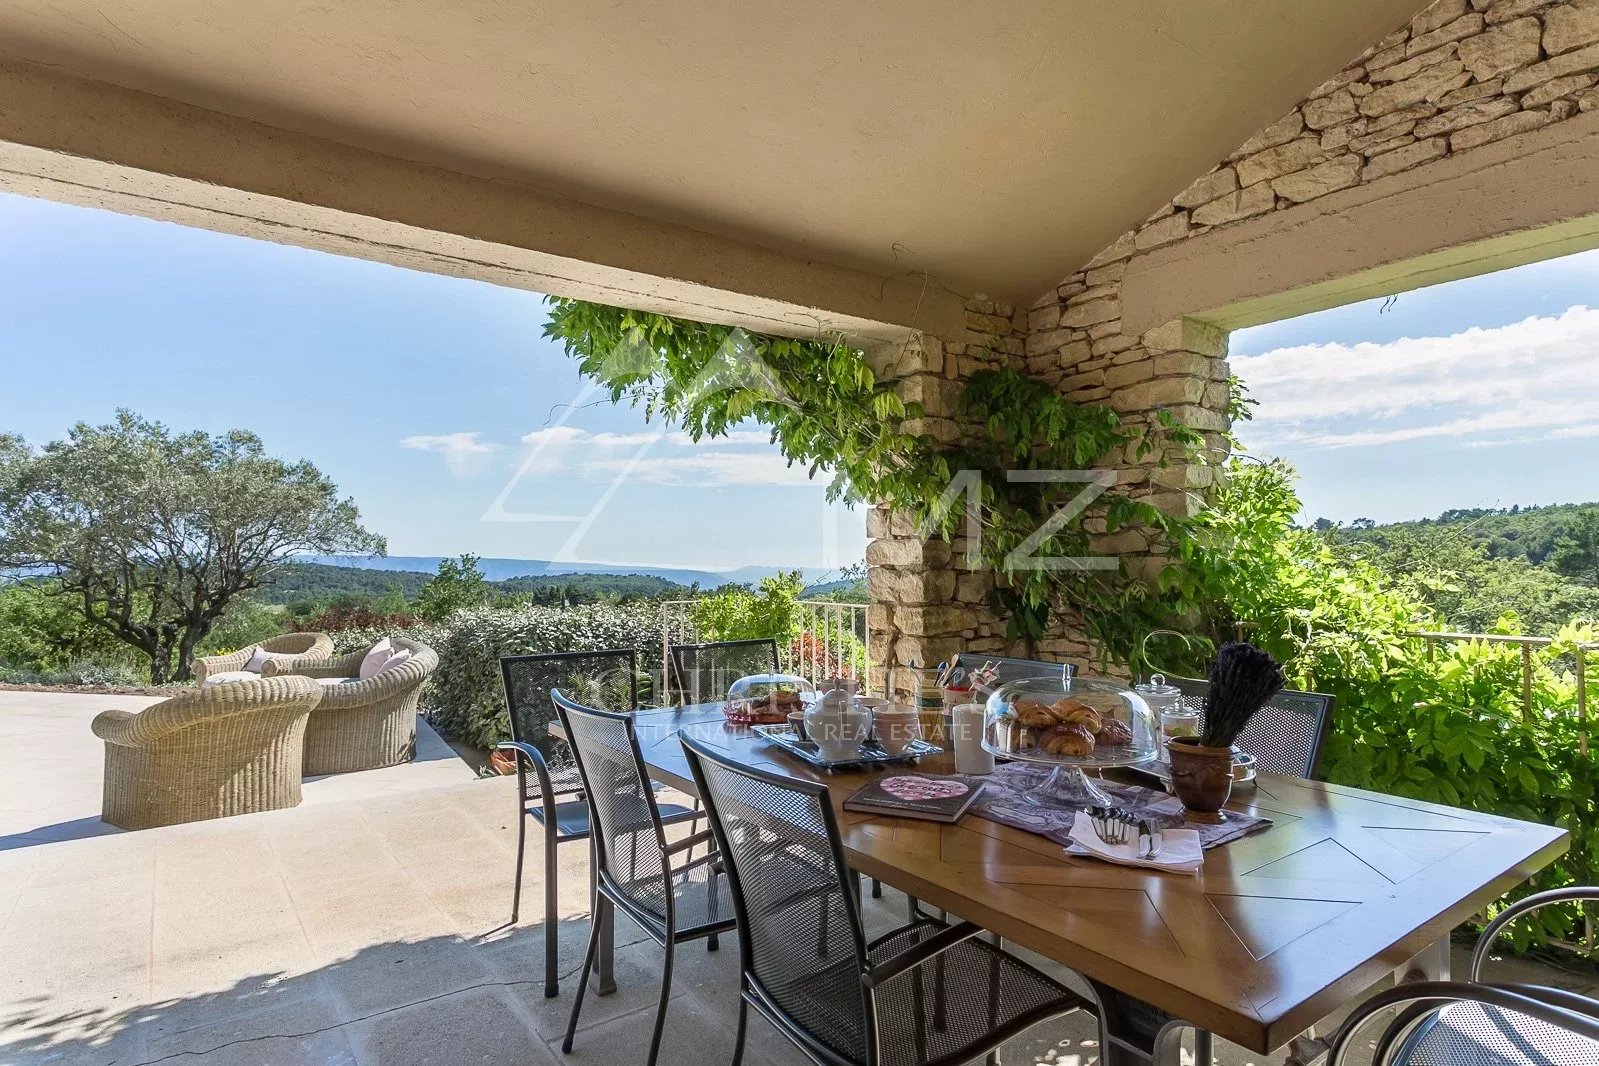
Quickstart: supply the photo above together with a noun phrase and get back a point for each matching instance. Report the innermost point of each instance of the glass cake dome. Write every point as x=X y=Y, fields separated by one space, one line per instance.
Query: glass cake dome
x=1070 y=724
x=767 y=699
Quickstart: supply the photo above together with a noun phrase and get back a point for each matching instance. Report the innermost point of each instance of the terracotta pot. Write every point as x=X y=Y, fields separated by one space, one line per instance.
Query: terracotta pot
x=502 y=762
x=1202 y=777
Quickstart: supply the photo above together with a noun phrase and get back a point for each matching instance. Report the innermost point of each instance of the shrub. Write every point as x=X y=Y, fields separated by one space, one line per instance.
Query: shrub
x=344 y=617
x=465 y=700
x=87 y=673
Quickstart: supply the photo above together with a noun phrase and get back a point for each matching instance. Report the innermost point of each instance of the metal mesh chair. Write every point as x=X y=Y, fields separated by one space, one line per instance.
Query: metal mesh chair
x=1285 y=737
x=923 y=994
x=672 y=902
x=1472 y=1023
x=549 y=787
x=701 y=673
x=1015 y=669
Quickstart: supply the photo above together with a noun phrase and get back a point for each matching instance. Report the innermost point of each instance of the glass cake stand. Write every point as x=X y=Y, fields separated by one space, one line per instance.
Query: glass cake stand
x=1014 y=727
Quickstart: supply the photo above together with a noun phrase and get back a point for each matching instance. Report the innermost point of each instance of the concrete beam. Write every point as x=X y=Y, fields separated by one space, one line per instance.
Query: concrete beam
x=1516 y=201
x=84 y=142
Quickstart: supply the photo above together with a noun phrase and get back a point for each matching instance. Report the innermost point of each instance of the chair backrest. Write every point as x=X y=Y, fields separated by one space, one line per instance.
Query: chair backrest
x=803 y=945
x=1015 y=669
x=605 y=679
x=629 y=842
x=701 y=673
x=1287 y=734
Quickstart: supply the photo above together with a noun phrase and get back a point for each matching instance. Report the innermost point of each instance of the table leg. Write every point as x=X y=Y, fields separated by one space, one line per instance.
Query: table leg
x=1134 y=1033
x=1429 y=964
x=605 y=915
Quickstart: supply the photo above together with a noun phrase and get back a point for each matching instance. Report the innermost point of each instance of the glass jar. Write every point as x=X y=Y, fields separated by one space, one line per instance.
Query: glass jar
x=1166 y=700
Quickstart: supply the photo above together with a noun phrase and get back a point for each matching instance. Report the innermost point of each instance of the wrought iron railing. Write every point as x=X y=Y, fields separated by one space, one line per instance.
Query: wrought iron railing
x=831 y=640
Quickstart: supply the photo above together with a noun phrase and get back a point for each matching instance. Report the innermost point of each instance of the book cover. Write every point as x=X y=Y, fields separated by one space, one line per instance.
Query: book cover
x=937 y=799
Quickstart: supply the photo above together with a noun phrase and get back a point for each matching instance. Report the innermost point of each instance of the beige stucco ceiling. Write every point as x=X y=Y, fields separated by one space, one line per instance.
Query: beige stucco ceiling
x=995 y=145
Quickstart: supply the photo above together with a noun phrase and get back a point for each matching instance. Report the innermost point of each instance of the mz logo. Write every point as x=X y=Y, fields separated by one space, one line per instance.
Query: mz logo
x=1024 y=556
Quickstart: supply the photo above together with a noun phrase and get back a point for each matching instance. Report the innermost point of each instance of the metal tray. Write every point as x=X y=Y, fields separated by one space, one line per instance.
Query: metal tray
x=870 y=753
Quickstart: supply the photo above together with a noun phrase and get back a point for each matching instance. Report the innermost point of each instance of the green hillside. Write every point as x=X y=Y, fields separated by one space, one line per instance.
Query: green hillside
x=1478 y=567
x=1529 y=533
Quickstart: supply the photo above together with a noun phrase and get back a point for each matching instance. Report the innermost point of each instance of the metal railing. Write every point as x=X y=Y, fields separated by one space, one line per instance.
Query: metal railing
x=1527 y=646
x=832 y=639
x=1579 y=663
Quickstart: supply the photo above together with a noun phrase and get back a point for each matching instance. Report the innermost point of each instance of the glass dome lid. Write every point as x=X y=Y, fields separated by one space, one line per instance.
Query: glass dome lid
x=1070 y=724
x=767 y=698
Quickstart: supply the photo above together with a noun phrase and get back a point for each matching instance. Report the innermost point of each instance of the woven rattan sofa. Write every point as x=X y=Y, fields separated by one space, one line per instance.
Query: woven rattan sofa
x=310 y=646
x=210 y=753
x=362 y=725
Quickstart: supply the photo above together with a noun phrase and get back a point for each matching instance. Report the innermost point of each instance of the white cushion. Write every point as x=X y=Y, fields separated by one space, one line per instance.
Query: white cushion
x=337 y=680
x=258 y=659
x=228 y=677
x=374 y=660
x=394 y=660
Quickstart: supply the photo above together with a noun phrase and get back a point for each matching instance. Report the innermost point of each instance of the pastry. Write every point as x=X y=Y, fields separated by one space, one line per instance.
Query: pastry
x=1034 y=714
x=1069 y=711
x=1113 y=731
x=1072 y=740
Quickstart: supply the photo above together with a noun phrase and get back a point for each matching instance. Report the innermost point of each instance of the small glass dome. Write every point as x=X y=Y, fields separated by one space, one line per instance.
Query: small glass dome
x=1082 y=721
x=767 y=699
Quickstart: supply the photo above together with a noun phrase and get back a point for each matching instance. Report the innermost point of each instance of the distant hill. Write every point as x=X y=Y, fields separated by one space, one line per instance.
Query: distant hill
x=505 y=569
x=1503 y=533
x=302 y=582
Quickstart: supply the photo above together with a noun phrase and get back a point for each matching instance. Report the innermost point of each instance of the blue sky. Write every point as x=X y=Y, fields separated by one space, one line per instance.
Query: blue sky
x=438 y=406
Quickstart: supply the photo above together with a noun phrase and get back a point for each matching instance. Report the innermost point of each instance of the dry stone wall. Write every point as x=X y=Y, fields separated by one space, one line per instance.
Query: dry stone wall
x=1462 y=74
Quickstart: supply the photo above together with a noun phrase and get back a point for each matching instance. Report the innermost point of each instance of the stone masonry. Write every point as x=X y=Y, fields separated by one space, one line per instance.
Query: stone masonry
x=1462 y=74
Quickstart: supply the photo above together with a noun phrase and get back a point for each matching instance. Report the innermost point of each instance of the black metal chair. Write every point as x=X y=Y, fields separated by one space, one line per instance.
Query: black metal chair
x=927 y=993
x=549 y=786
x=671 y=903
x=1010 y=669
x=701 y=673
x=1472 y=1023
x=1285 y=737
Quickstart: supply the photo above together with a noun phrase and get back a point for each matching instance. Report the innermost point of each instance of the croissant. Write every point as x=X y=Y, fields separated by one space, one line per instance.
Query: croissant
x=1033 y=714
x=1113 y=731
x=1069 y=711
x=1069 y=740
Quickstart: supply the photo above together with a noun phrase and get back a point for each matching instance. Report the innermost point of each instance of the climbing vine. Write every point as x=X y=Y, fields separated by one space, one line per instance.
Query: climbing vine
x=828 y=412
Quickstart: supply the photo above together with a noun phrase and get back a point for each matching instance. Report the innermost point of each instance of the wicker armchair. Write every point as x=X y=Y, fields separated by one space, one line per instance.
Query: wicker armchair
x=301 y=645
x=362 y=725
x=210 y=753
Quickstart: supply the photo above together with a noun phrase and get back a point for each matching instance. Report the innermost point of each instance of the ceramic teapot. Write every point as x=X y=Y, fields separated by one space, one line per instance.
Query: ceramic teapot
x=836 y=724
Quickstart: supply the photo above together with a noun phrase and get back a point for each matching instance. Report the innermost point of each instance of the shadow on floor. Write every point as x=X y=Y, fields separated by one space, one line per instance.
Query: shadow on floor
x=432 y=1000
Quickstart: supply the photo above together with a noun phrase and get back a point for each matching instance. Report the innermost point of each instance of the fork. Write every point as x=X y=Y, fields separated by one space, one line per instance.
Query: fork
x=1110 y=824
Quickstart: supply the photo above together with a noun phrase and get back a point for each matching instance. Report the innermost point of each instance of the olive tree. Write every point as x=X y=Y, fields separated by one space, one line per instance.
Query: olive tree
x=151 y=534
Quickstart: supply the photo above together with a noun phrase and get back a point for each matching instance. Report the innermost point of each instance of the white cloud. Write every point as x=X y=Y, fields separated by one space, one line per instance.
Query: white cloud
x=461 y=451
x=1481 y=387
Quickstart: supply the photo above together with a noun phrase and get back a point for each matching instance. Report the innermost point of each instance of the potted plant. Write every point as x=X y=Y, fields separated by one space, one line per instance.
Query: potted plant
x=1242 y=679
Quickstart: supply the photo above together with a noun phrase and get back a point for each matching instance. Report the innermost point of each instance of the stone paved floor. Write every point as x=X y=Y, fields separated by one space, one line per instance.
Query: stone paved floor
x=370 y=931
x=51 y=767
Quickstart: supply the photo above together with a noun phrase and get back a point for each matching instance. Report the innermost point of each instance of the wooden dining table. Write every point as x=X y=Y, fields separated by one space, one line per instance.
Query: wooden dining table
x=1279 y=930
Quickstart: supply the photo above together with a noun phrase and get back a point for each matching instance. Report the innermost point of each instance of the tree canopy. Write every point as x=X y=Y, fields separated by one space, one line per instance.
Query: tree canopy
x=151 y=534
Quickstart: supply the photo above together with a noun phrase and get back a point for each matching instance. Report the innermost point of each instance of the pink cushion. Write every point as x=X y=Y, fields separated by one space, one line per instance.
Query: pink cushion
x=374 y=660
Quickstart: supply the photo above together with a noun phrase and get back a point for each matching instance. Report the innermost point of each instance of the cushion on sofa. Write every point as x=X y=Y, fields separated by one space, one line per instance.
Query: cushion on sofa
x=229 y=677
x=374 y=659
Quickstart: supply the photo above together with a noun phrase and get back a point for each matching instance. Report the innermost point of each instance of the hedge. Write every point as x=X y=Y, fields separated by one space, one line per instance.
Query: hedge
x=465 y=700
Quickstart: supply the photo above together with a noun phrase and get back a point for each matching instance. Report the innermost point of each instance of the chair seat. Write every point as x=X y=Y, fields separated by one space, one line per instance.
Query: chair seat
x=985 y=990
x=1476 y=1034
x=572 y=817
x=702 y=903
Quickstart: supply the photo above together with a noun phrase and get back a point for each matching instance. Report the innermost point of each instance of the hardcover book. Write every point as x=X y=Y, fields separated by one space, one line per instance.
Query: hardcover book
x=937 y=799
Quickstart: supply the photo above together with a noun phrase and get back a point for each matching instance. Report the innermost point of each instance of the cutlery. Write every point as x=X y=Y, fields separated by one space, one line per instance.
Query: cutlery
x=1109 y=824
x=1146 y=841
